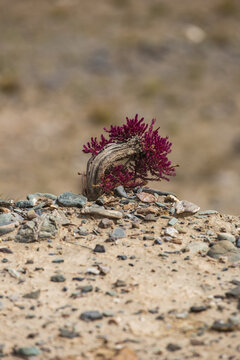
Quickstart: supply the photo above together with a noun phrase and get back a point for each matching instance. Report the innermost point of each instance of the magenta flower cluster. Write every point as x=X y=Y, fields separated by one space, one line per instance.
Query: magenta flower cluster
x=150 y=163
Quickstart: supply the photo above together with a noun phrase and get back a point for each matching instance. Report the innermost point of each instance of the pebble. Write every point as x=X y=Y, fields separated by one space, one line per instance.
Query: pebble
x=71 y=200
x=34 y=197
x=58 y=278
x=208 y=212
x=234 y=292
x=85 y=289
x=26 y=351
x=91 y=316
x=145 y=197
x=99 y=249
x=24 y=204
x=120 y=191
x=6 y=250
x=94 y=210
x=173 y=347
x=222 y=326
x=182 y=315
x=118 y=233
x=43 y=227
x=170 y=231
x=196 y=247
x=161 y=205
x=238 y=242
x=158 y=192
x=11 y=217
x=105 y=223
x=172 y=221
x=186 y=207
x=93 y=271
x=6 y=203
x=7 y=228
x=150 y=217
x=69 y=334
x=32 y=295
x=14 y=273
x=157 y=242
x=224 y=248
x=122 y=257
x=82 y=231
x=198 y=309
x=103 y=269
x=58 y=261
x=226 y=236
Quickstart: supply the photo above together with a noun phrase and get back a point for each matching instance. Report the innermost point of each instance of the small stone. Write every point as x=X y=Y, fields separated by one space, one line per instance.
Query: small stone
x=196 y=342
x=158 y=192
x=58 y=261
x=82 y=231
x=224 y=248
x=145 y=197
x=186 y=207
x=182 y=315
x=161 y=205
x=173 y=347
x=58 y=278
x=122 y=257
x=91 y=316
x=105 y=223
x=238 y=242
x=71 y=200
x=226 y=236
x=170 y=231
x=78 y=278
x=234 y=292
x=14 y=273
x=93 y=271
x=196 y=247
x=108 y=313
x=7 y=228
x=69 y=334
x=32 y=295
x=221 y=326
x=118 y=233
x=36 y=196
x=103 y=269
x=6 y=250
x=99 y=249
x=198 y=309
x=26 y=351
x=24 y=204
x=208 y=212
x=150 y=217
x=120 y=191
x=94 y=210
x=85 y=289
x=172 y=221
x=157 y=241
x=31 y=214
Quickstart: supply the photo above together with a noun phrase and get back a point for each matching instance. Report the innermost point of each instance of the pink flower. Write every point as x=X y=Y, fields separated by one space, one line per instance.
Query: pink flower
x=151 y=163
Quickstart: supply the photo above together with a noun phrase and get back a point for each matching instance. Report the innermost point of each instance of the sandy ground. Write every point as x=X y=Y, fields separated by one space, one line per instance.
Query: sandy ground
x=156 y=281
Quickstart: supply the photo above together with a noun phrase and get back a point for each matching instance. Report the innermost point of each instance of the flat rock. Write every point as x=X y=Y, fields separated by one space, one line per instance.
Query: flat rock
x=171 y=231
x=234 y=292
x=145 y=197
x=196 y=246
x=43 y=227
x=105 y=223
x=118 y=233
x=91 y=315
x=26 y=351
x=186 y=207
x=226 y=236
x=101 y=211
x=224 y=248
x=71 y=200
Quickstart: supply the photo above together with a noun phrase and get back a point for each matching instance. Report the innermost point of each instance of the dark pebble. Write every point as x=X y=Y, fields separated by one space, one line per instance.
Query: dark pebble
x=58 y=278
x=85 y=289
x=120 y=191
x=4 y=260
x=173 y=347
x=158 y=242
x=32 y=295
x=78 y=278
x=6 y=250
x=235 y=292
x=222 y=326
x=160 y=317
x=99 y=249
x=91 y=316
x=58 y=261
x=238 y=242
x=122 y=257
x=24 y=204
x=197 y=309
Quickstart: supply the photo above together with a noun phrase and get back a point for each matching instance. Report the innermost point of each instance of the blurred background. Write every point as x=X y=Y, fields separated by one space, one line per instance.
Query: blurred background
x=70 y=67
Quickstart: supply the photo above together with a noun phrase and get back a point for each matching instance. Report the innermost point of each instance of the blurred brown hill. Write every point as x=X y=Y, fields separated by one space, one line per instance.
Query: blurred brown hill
x=70 y=67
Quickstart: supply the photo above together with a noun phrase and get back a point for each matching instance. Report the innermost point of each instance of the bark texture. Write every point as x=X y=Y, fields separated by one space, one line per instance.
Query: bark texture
x=112 y=154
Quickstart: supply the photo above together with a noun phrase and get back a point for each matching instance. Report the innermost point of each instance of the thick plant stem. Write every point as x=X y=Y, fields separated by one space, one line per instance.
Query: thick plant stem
x=111 y=154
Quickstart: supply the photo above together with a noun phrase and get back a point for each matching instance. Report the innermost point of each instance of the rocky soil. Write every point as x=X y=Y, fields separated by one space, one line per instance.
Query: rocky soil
x=132 y=276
